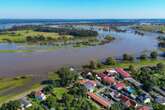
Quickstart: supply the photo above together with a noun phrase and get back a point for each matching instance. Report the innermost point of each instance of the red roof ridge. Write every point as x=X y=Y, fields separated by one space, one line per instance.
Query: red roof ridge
x=99 y=100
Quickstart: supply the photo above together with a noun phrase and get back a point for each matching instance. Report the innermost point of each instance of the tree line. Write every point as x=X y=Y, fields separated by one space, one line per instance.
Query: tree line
x=69 y=31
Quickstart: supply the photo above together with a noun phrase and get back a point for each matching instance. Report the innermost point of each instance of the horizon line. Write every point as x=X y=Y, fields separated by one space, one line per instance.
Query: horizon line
x=78 y=18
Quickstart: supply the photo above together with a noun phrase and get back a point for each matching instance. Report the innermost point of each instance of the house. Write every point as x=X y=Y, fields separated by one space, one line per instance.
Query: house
x=101 y=75
x=120 y=86
x=72 y=69
x=160 y=100
x=109 y=80
x=127 y=102
x=89 y=84
x=111 y=72
x=122 y=73
x=134 y=82
x=115 y=96
x=40 y=96
x=25 y=103
x=144 y=108
x=101 y=101
x=144 y=98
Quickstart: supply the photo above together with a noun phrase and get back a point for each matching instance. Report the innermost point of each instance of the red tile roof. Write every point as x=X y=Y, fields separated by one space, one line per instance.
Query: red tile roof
x=99 y=100
x=122 y=72
x=143 y=108
x=38 y=93
x=120 y=85
x=102 y=75
x=88 y=81
x=109 y=80
x=128 y=102
x=82 y=81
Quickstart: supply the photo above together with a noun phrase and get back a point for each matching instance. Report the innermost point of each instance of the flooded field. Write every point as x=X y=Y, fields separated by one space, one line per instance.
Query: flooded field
x=40 y=63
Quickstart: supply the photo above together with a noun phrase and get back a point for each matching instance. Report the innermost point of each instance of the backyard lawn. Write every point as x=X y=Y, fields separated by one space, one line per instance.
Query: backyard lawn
x=58 y=92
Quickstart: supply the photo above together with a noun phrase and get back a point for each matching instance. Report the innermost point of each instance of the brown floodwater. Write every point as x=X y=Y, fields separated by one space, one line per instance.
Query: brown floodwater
x=40 y=63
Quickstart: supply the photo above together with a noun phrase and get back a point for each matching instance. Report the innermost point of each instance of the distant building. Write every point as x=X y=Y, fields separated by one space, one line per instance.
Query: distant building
x=101 y=75
x=123 y=73
x=120 y=86
x=111 y=72
x=40 y=96
x=144 y=108
x=25 y=103
x=109 y=80
x=127 y=101
x=144 y=98
x=89 y=84
x=72 y=69
x=134 y=82
x=160 y=100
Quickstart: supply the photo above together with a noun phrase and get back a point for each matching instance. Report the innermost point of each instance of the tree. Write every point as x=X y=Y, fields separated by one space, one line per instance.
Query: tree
x=36 y=107
x=127 y=57
x=160 y=66
x=110 y=61
x=67 y=99
x=29 y=39
x=51 y=102
x=143 y=57
x=12 y=105
x=99 y=64
x=48 y=89
x=67 y=77
x=117 y=106
x=78 y=90
x=93 y=64
x=146 y=78
x=158 y=107
x=154 y=55
x=132 y=69
x=32 y=95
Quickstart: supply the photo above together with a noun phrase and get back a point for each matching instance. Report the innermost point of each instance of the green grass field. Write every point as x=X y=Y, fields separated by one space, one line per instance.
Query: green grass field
x=8 y=86
x=20 y=36
x=136 y=64
x=53 y=76
x=7 y=83
x=58 y=92
x=15 y=85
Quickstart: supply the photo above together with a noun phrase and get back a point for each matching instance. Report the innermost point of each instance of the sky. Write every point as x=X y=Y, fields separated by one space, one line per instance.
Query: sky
x=82 y=9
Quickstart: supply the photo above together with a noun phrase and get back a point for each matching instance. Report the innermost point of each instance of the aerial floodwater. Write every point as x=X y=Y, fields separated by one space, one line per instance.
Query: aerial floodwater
x=40 y=63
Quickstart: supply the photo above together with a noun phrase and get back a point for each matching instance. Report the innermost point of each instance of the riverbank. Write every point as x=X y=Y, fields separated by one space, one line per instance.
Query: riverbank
x=137 y=64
